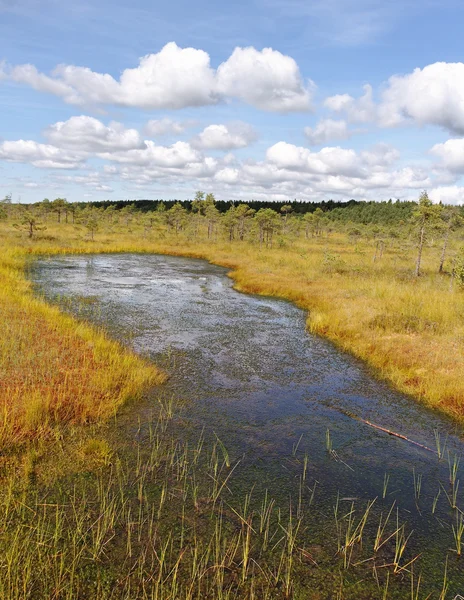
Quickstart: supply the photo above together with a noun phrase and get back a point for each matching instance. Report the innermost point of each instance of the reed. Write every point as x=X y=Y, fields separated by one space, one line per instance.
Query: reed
x=417 y=479
x=386 y=481
x=401 y=542
x=380 y=540
x=440 y=448
x=328 y=442
x=458 y=530
x=139 y=516
x=435 y=501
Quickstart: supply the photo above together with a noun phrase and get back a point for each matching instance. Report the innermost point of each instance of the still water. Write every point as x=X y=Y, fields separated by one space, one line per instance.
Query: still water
x=246 y=369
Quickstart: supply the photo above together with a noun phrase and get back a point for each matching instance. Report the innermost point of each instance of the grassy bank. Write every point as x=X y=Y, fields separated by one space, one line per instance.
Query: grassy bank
x=55 y=371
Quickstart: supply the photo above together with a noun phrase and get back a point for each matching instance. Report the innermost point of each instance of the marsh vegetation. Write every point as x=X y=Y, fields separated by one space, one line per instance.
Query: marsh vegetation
x=100 y=501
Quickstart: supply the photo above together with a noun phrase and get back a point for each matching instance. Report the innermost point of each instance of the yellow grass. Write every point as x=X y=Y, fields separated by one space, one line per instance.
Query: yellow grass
x=411 y=330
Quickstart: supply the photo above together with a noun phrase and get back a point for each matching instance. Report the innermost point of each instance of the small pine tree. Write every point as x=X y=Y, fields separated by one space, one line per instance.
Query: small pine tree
x=425 y=216
x=29 y=223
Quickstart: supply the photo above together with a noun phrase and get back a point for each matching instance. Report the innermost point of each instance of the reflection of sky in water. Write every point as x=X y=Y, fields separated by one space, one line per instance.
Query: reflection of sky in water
x=246 y=354
x=254 y=376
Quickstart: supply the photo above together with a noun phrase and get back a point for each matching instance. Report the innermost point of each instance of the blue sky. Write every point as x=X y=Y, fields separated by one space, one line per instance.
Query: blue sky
x=268 y=99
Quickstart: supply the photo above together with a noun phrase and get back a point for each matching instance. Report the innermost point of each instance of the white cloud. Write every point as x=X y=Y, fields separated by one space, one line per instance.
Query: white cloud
x=329 y=161
x=177 y=155
x=432 y=95
x=451 y=153
x=225 y=137
x=29 y=75
x=380 y=155
x=44 y=156
x=339 y=102
x=442 y=176
x=327 y=130
x=175 y=78
x=451 y=194
x=288 y=156
x=205 y=168
x=229 y=159
x=266 y=79
x=91 y=179
x=88 y=134
x=227 y=175
x=160 y=127
x=410 y=178
x=357 y=110
x=310 y=176
x=286 y=170
x=332 y=172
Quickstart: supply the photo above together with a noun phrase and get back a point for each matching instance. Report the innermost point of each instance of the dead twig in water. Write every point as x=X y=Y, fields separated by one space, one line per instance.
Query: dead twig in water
x=384 y=429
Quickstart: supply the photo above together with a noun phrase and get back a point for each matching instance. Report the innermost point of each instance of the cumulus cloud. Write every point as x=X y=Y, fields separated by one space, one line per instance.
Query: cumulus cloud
x=415 y=178
x=177 y=155
x=451 y=194
x=332 y=172
x=160 y=127
x=44 y=156
x=172 y=78
x=227 y=175
x=327 y=130
x=266 y=79
x=90 y=135
x=357 y=110
x=286 y=170
x=329 y=160
x=175 y=78
x=380 y=155
x=451 y=153
x=432 y=95
x=225 y=137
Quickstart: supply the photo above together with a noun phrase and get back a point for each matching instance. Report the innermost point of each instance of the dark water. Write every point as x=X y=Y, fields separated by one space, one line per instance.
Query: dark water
x=249 y=371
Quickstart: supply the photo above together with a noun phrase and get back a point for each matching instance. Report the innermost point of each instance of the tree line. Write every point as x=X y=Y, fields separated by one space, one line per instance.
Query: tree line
x=259 y=222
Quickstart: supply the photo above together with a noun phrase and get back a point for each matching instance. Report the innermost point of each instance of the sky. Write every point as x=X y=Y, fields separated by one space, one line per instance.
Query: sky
x=260 y=99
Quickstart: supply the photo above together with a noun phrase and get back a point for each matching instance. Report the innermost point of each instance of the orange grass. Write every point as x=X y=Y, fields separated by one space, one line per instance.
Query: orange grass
x=55 y=370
